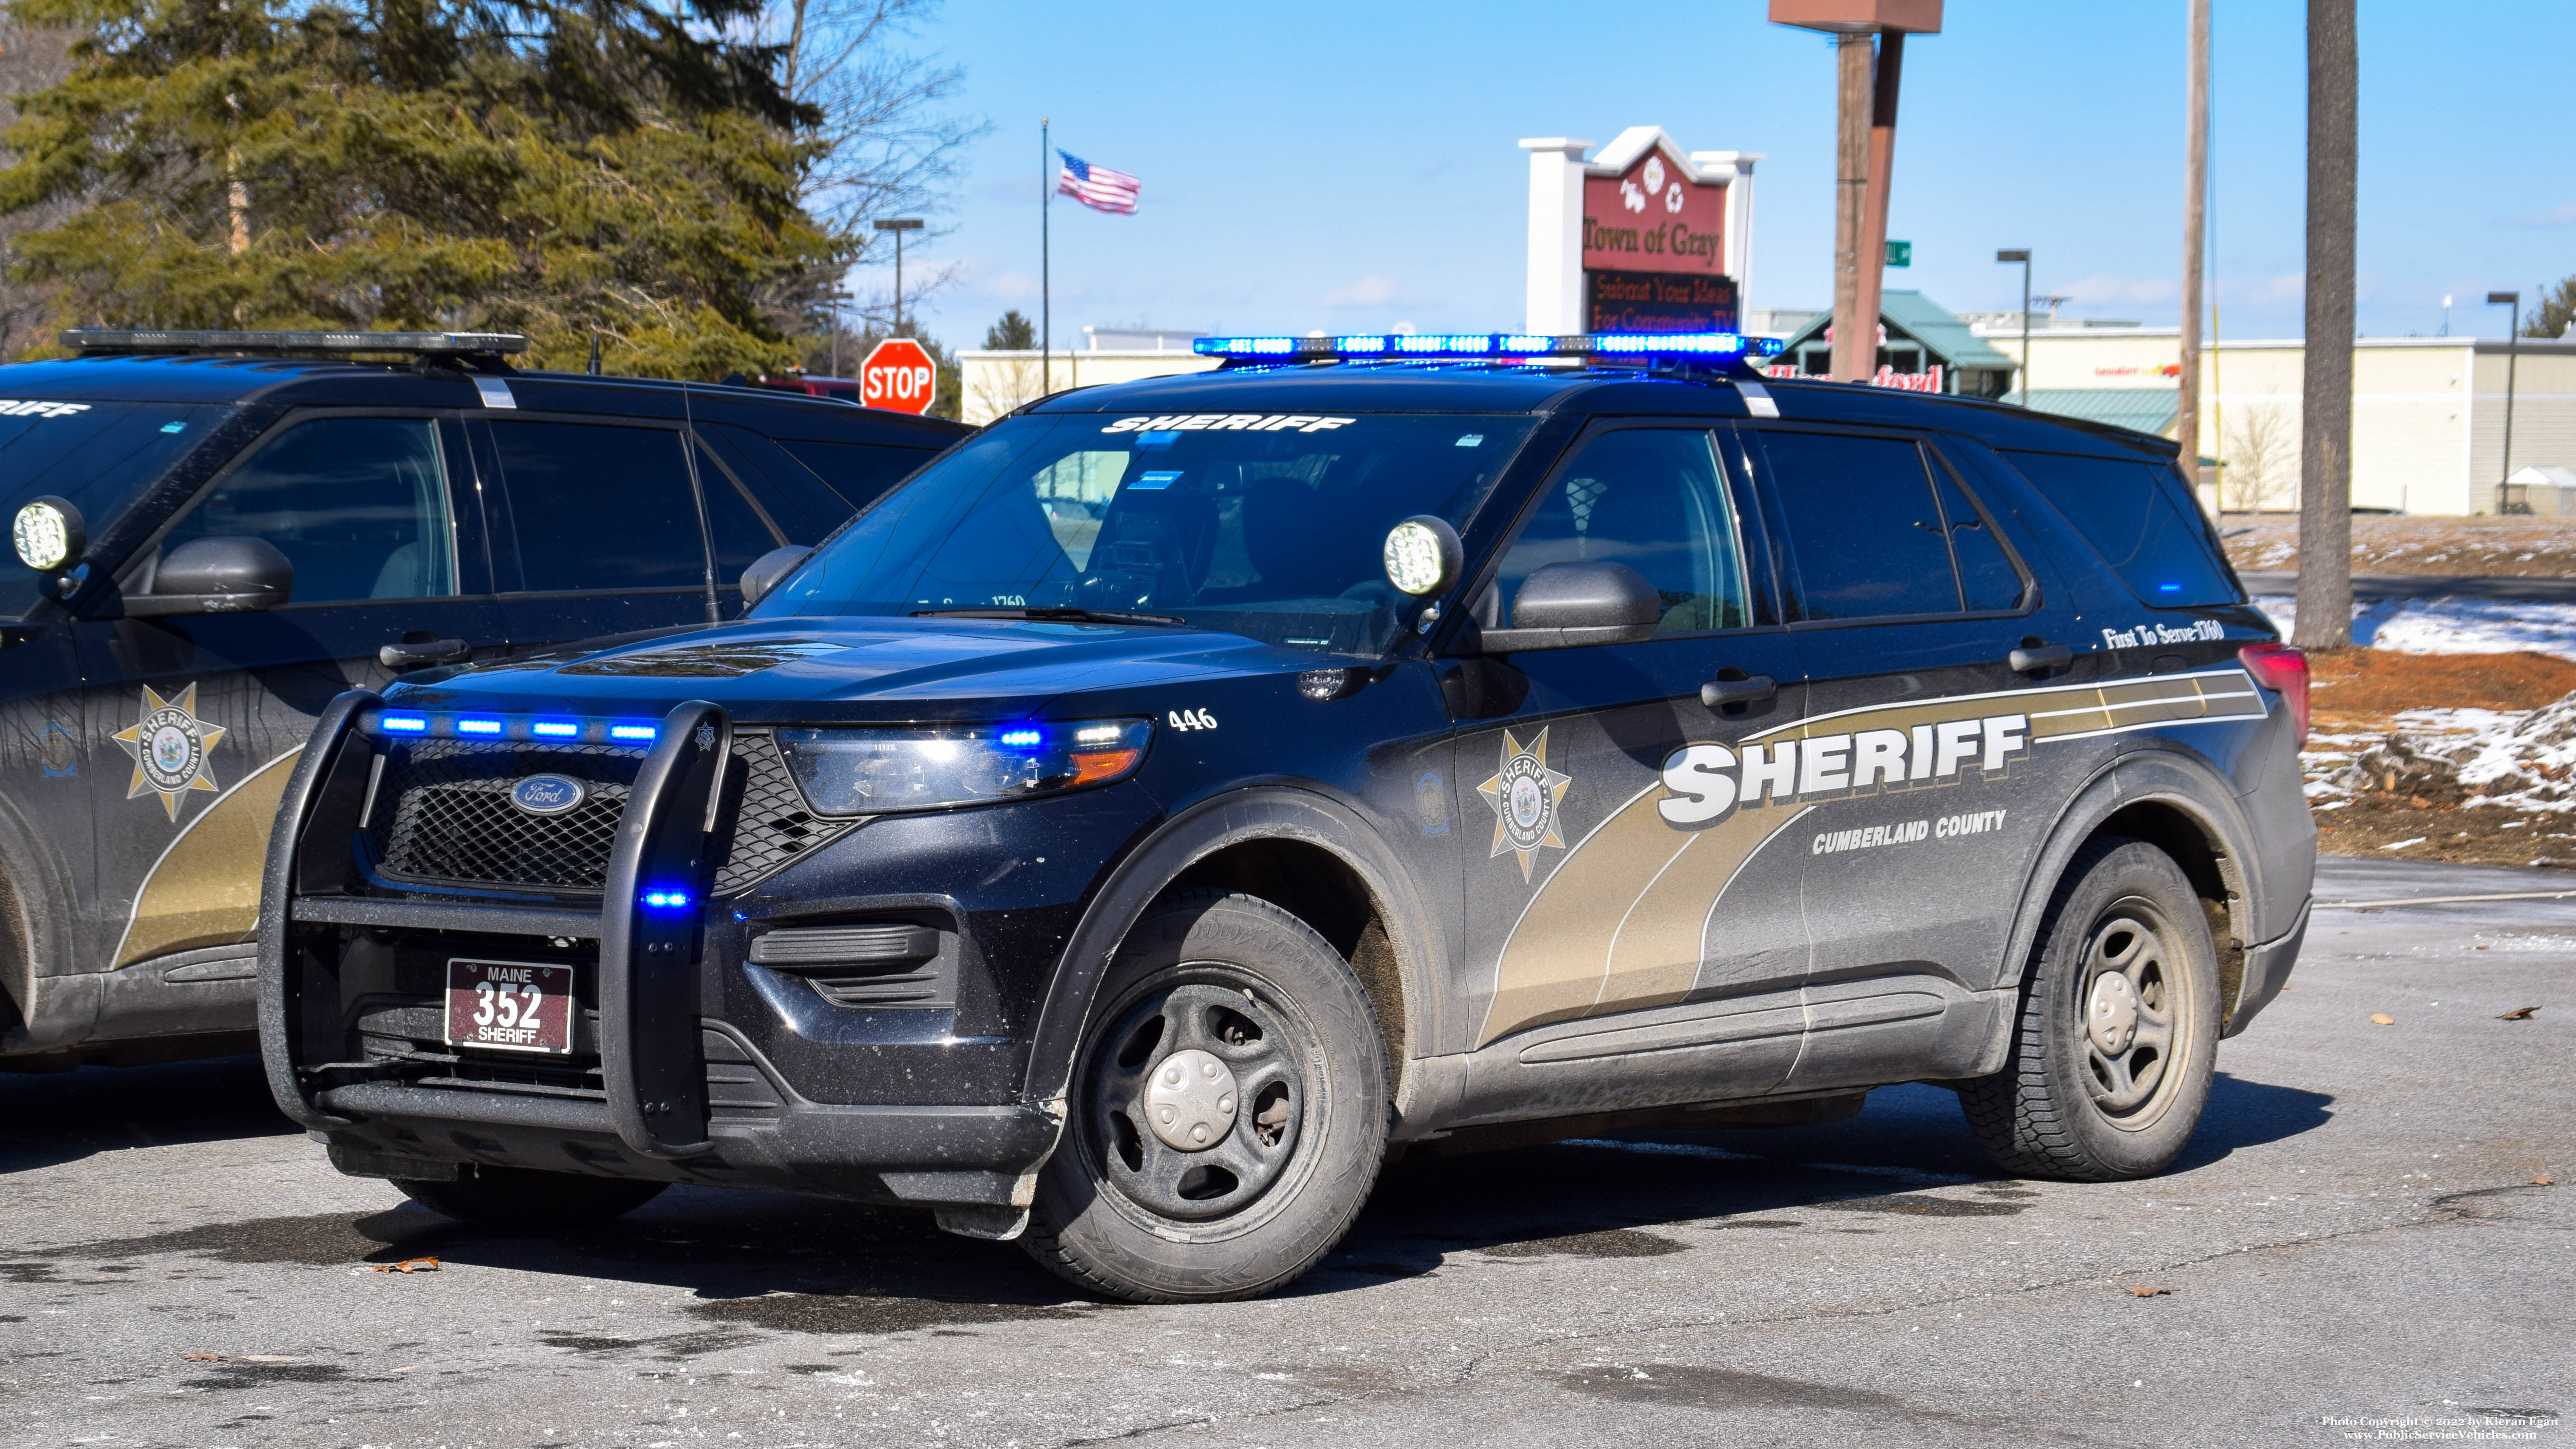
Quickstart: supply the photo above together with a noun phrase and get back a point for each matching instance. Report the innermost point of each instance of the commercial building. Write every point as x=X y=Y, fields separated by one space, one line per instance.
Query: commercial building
x=992 y=382
x=2428 y=413
x=1921 y=348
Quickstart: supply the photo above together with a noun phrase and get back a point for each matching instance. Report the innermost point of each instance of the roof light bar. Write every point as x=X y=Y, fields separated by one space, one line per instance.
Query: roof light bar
x=1491 y=344
x=120 y=339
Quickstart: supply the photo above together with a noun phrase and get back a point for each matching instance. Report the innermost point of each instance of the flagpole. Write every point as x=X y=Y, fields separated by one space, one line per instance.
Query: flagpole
x=1046 y=315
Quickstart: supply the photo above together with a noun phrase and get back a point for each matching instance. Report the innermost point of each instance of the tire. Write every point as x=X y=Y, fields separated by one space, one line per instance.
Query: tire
x=2107 y=1079
x=1246 y=1033
x=522 y=1197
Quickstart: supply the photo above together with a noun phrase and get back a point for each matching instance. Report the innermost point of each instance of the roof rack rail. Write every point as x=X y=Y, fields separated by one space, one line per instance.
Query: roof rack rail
x=416 y=344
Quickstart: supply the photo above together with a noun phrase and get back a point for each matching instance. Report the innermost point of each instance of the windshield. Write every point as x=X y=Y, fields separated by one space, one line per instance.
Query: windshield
x=1271 y=526
x=101 y=456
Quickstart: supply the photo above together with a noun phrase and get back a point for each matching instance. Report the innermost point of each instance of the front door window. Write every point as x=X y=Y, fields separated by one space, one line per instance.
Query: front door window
x=358 y=505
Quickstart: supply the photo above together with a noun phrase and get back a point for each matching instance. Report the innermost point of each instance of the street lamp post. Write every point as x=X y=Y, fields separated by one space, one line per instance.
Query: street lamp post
x=899 y=225
x=2512 y=333
x=837 y=297
x=2022 y=255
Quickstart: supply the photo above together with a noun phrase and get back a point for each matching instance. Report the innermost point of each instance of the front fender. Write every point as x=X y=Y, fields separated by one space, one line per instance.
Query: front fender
x=1270 y=812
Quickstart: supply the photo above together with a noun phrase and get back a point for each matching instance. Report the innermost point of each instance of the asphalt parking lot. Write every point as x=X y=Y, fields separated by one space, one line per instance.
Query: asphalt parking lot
x=2354 y=1249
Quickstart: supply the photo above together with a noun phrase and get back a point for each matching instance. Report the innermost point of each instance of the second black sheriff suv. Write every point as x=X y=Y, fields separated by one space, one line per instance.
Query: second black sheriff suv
x=1122 y=833
x=213 y=534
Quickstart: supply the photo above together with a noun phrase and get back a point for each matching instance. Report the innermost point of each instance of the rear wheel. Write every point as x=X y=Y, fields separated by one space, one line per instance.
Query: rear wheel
x=521 y=1197
x=2118 y=1031
x=1227 y=1114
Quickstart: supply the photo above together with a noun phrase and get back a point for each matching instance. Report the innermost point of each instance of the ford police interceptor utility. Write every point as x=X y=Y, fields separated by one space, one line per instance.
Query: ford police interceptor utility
x=214 y=533
x=1124 y=833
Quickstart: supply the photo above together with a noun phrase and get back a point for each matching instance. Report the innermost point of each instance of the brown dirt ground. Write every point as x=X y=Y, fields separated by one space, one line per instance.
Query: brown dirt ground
x=2360 y=691
x=2520 y=547
x=2363 y=689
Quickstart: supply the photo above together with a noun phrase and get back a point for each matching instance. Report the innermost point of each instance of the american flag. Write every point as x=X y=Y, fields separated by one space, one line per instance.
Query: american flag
x=1097 y=187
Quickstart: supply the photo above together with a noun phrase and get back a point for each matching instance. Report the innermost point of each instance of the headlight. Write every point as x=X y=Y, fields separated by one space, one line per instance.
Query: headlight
x=862 y=771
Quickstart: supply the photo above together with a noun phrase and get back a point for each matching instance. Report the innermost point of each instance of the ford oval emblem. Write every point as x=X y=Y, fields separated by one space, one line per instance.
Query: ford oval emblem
x=549 y=794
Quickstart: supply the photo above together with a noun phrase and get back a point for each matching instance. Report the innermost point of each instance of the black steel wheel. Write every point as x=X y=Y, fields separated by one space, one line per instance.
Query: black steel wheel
x=2116 y=1041
x=1227 y=1112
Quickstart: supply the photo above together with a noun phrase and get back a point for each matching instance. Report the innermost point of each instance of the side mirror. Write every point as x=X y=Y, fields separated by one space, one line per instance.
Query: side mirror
x=233 y=574
x=1566 y=604
x=767 y=570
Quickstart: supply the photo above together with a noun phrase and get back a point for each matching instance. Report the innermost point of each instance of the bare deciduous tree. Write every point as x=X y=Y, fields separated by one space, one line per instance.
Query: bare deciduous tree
x=883 y=146
x=1000 y=385
x=2262 y=469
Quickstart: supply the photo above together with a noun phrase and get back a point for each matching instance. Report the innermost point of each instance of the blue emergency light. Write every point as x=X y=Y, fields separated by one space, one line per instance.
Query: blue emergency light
x=1643 y=346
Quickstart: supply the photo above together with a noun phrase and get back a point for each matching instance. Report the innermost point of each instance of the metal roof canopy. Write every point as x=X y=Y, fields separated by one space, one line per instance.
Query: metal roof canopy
x=1917 y=318
x=415 y=344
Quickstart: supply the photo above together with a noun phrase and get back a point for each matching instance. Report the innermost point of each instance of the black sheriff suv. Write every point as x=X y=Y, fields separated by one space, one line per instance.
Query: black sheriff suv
x=215 y=534
x=1124 y=833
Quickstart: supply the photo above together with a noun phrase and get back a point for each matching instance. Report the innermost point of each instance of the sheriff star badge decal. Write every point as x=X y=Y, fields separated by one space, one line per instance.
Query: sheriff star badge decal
x=1525 y=794
x=169 y=745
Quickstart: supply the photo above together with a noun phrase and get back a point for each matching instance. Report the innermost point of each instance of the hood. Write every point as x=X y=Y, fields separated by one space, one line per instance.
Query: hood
x=822 y=670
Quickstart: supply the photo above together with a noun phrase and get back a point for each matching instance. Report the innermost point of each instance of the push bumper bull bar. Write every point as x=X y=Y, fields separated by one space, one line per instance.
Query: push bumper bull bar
x=981 y=1157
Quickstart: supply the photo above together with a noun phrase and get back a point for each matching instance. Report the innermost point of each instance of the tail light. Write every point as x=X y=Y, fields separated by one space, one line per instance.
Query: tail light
x=2283 y=670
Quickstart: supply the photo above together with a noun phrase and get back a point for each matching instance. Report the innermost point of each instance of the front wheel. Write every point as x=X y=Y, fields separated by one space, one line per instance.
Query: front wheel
x=1227 y=1112
x=2118 y=1030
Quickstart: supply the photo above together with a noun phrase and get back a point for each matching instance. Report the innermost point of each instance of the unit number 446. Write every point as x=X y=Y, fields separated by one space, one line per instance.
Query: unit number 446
x=1191 y=719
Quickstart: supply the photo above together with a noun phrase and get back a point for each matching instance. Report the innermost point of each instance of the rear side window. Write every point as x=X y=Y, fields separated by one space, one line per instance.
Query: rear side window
x=739 y=533
x=2138 y=518
x=599 y=507
x=857 y=471
x=1987 y=578
x=799 y=503
x=1863 y=525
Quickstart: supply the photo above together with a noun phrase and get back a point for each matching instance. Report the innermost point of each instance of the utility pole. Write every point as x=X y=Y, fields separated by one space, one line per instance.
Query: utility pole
x=2325 y=451
x=1882 y=174
x=1855 y=336
x=1864 y=153
x=2195 y=235
x=898 y=225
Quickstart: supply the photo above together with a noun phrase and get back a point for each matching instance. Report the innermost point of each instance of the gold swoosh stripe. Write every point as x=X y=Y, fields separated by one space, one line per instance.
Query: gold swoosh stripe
x=1620 y=924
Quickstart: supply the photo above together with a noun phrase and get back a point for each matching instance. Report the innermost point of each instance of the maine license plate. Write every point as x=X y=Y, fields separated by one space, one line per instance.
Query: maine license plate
x=511 y=1006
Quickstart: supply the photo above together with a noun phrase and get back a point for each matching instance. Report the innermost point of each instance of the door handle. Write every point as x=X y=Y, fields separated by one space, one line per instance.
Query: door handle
x=2037 y=658
x=419 y=649
x=1720 y=692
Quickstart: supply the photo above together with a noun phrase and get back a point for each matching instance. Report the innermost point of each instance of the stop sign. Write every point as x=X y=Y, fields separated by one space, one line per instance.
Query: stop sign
x=899 y=375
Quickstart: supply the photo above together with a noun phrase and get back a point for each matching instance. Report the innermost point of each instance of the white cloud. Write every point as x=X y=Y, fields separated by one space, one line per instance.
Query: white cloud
x=2563 y=214
x=2101 y=289
x=2265 y=291
x=1008 y=286
x=1369 y=291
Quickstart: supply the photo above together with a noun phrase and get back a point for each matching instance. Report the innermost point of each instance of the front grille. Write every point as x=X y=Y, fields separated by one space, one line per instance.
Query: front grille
x=443 y=815
x=771 y=824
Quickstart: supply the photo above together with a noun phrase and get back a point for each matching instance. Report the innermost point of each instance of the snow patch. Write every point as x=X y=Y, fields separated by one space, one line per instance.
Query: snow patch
x=2447 y=626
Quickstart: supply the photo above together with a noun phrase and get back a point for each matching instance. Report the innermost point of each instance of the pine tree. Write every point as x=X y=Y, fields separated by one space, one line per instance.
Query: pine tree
x=553 y=167
x=1014 y=333
x=2553 y=308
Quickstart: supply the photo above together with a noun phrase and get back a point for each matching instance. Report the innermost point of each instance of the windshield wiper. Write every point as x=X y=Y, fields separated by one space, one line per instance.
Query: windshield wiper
x=1050 y=613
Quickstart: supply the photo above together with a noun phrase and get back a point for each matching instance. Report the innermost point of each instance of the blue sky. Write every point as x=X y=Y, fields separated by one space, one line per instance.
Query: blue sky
x=1346 y=165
